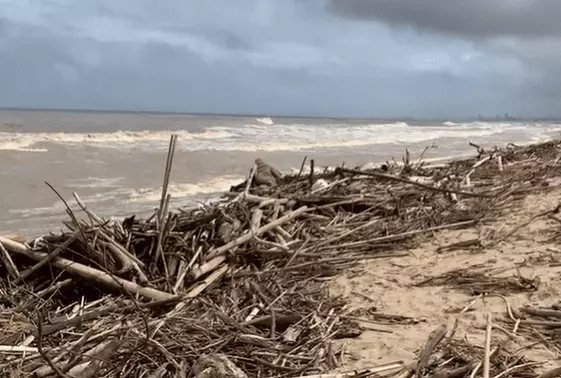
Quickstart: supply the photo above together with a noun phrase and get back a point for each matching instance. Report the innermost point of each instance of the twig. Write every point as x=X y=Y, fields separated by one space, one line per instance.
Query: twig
x=486 y=363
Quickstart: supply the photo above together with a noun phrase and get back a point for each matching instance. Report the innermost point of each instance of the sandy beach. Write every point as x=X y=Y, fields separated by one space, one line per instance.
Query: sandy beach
x=413 y=268
x=388 y=287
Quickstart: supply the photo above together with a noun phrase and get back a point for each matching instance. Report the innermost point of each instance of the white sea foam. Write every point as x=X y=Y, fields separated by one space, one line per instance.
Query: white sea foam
x=265 y=121
x=13 y=142
x=95 y=182
x=58 y=207
x=184 y=190
x=297 y=137
x=282 y=137
x=118 y=139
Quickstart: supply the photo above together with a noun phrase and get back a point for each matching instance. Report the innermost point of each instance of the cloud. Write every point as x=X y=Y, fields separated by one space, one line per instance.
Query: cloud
x=523 y=31
x=474 y=18
x=249 y=56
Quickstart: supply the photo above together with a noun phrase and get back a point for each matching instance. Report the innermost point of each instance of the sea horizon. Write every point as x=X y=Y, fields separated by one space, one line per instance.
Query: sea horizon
x=395 y=118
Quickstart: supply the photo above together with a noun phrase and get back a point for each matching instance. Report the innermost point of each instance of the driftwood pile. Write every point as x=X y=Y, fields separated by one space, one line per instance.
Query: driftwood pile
x=235 y=287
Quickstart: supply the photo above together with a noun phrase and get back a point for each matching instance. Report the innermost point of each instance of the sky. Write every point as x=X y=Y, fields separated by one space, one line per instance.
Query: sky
x=357 y=58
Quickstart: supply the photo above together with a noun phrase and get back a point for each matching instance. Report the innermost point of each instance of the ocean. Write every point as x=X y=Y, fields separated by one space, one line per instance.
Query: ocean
x=115 y=161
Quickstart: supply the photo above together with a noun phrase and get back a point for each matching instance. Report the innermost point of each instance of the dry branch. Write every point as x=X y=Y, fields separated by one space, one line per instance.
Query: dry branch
x=87 y=272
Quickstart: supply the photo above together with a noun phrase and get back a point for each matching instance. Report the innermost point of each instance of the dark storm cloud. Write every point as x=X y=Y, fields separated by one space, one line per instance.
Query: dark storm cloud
x=469 y=18
x=253 y=56
x=527 y=31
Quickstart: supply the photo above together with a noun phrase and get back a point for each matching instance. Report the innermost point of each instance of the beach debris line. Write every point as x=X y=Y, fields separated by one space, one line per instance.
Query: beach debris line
x=239 y=281
x=475 y=280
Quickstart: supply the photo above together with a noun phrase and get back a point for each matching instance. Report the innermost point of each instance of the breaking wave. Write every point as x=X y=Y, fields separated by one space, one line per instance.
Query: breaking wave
x=265 y=121
x=117 y=139
x=260 y=137
x=183 y=190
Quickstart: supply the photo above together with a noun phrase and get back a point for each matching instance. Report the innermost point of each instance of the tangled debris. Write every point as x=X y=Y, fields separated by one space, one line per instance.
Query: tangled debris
x=478 y=282
x=450 y=358
x=234 y=288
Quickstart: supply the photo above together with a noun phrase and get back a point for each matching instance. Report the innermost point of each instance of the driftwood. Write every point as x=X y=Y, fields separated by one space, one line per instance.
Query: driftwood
x=243 y=277
x=87 y=272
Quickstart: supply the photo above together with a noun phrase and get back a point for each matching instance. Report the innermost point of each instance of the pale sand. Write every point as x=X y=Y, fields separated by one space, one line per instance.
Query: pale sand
x=386 y=282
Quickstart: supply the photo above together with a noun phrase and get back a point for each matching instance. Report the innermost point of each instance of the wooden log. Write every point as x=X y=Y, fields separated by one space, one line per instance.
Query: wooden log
x=89 y=273
x=44 y=261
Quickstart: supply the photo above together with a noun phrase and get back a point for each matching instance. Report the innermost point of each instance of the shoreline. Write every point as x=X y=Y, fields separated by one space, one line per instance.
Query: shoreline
x=258 y=267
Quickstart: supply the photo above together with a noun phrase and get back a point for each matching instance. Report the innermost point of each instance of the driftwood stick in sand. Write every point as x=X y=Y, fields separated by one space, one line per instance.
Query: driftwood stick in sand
x=248 y=236
x=87 y=272
x=28 y=272
x=407 y=181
